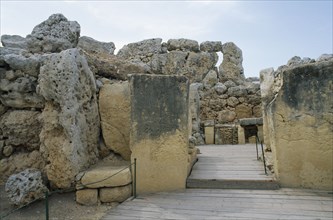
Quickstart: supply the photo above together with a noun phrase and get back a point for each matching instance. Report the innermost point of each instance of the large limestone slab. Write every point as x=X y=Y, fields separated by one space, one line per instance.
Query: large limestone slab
x=70 y=133
x=159 y=131
x=106 y=176
x=114 y=108
x=300 y=124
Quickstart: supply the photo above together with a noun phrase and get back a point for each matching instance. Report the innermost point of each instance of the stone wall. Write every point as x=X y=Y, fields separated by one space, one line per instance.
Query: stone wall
x=65 y=99
x=298 y=112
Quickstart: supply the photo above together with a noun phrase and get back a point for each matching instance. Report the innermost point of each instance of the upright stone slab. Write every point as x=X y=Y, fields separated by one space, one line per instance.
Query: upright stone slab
x=159 y=131
x=300 y=124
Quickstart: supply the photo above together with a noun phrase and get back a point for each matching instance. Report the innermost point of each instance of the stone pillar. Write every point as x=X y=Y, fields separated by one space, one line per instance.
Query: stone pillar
x=241 y=135
x=159 y=131
x=209 y=132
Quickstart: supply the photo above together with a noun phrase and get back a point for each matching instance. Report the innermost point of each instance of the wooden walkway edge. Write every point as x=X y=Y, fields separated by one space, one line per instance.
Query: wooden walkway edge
x=228 y=204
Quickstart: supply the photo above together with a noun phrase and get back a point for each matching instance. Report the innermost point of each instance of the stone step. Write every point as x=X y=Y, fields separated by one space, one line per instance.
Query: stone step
x=232 y=184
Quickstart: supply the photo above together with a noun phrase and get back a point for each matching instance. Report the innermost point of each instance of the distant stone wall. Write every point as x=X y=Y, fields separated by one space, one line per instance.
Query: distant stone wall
x=298 y=114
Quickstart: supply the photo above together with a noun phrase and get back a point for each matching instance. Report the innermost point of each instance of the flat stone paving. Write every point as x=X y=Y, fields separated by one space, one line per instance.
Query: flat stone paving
x=228 y=204
x=230 y=167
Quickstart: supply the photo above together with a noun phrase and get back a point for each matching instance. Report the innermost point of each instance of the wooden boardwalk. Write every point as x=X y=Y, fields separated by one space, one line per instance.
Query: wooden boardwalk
x=230 y=167
x=228 y=204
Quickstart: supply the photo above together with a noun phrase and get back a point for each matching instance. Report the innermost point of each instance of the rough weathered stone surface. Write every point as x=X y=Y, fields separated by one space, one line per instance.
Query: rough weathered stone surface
x=94 y=175
x=226 y=116
x=116 y=194
x=8 y=150
x=243 y=111
x=54 y=35
x=19 y=162
x=232 y=101
x=19 y=91
x=111 y=66
x=70 y=133
x=210 y=79
x=21 y=128
x=114 y=108
x=231 y=66
x=182 y=44
x=325 y=57
x=211 y=46
x=169 y=63
x=3 y=109
x=194 y=102
x=24 y=187
x=220 y=88
x=226 y=134
x=29 y=65
x=141 y=50
x=93 y=46
x=14 y=41
x=198 y=65
x=237 y=91
x=300 y=124
x=159 y=131
x=87 y=196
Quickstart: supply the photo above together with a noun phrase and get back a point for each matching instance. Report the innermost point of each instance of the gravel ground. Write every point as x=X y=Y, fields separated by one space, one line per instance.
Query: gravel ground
x=61 y=207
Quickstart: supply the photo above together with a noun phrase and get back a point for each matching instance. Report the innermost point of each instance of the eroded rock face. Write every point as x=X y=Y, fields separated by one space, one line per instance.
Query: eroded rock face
x=21 y=128
x=25 y=187
x=93 y=46
x=182 y=44
x=14 y=41
x=142 y=50
x=54 y=35
x=113 y=67
x=114 y=107
x=19 y=91
x=19 y=162
x=231 y=66
x=71 y=126
x=211 y=46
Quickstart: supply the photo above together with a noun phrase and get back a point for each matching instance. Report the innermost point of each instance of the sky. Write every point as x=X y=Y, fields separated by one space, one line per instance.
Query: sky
x=268 y=32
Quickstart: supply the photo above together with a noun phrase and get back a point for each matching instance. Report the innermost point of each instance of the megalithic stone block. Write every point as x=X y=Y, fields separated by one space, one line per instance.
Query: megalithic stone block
x=159 y=131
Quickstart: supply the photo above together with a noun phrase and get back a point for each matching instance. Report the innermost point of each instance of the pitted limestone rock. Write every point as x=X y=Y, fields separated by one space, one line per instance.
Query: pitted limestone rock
x=112 y=66
x=14 y=41
x=211 y=46
x=19 y=91
x=182 y=44
x=93 y=46
x=18 y=162
x=25 y=187
x=29 y=65
x=141 y=50
x=21 y=128
x=231 y=66
x=54 y=35
x=71 y=126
